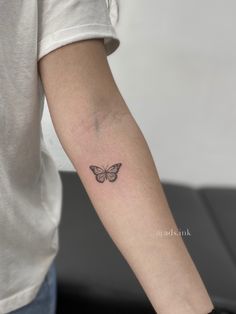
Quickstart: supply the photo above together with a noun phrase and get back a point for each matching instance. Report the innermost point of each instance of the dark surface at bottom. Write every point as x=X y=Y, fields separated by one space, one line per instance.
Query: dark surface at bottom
x=93 y=275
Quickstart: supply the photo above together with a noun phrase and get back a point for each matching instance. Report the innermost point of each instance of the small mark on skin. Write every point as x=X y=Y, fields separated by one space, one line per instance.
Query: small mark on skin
x=97 y=126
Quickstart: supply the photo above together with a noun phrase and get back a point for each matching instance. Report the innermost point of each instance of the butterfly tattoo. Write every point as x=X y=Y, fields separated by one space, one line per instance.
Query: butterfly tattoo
x=103 y=173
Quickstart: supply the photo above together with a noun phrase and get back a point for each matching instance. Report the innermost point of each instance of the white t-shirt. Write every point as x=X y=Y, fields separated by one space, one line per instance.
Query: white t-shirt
x=30 y=185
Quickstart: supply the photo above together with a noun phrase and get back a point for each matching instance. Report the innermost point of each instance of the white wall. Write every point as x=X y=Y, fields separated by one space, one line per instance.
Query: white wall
x=176 y=69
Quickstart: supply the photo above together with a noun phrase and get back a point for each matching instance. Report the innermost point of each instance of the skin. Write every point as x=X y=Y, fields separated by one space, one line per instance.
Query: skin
x=95 y=127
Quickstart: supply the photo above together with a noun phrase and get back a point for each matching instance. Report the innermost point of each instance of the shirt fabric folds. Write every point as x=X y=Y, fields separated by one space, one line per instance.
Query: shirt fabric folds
x=30 y=184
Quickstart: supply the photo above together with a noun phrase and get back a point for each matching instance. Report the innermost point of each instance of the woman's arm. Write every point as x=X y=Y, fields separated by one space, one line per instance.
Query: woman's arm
x=96 y=128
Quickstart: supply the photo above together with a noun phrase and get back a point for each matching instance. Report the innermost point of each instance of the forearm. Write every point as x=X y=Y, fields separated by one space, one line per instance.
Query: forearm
x=95 y=127
x=133 y=209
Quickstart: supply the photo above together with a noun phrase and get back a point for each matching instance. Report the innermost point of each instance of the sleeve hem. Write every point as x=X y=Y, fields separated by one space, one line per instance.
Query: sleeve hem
x=82 y=32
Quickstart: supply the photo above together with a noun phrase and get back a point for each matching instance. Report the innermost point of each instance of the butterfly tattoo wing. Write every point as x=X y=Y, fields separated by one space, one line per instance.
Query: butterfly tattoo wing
x=112 y=171
x=102 y=174
x=99 y=173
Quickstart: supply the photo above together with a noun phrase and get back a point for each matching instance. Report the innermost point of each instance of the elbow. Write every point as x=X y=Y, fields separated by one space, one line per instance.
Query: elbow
x=101 y=116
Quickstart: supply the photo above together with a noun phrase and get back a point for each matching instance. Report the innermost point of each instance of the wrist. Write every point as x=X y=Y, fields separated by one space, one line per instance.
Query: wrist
x=186 y=306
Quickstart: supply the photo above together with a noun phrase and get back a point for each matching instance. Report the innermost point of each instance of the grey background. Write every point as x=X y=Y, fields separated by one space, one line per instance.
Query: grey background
x=176 y=69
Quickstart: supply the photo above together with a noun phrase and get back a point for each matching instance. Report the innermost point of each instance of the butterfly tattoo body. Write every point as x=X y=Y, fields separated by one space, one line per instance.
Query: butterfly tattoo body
x=104 y=173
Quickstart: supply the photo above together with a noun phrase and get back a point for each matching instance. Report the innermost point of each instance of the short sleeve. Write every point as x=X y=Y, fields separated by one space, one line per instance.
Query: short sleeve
x=61 y=22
